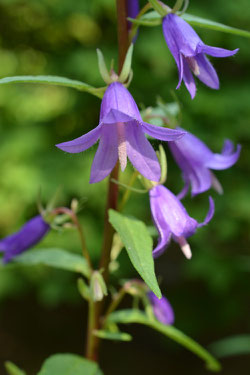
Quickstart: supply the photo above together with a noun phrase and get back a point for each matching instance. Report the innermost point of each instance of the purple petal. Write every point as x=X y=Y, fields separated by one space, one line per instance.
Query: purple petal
x=228 y=147
x=215 y=51
x=182 y=36
x=106 y=155
x=118 y=98
x=184 y=191
x=189 y=79
x=190 y=162
x=174 y=213
x=162 y=309
x=210 y=213
x=164 y=134
x=82 y=143
x=29 y=235
x=141 y=153
x=160 y=223
x=224 y=160
x=207 y=73
x=173 y=47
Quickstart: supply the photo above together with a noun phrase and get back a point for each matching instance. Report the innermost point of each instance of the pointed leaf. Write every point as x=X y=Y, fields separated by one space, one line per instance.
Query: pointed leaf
x=139 y=246
x=69 y=364
x=208 y=24
x=137 y=316
x=12 y=369
x=233 y=345
x=57 y=258
x=117 y=336
x=55 y=80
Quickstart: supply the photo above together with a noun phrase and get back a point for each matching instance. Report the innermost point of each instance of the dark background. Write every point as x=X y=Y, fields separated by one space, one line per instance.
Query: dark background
x=41 y=312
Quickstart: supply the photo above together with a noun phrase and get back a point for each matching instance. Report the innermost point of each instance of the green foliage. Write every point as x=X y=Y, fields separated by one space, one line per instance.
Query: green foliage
x=116 y=336
x=12 y=369
x=139 y=246
x=231 y=346
x=208 y=24
x=54 y=80
x=69 y=364
x=153 y=18
x=136 y=316
x=57 y=258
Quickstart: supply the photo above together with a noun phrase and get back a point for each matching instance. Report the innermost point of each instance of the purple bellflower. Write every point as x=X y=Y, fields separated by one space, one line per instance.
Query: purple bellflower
x=29 y=235
x=171 y=219
x=162 y=309
x=121 y=133
x=195 y=160
x=189 y=53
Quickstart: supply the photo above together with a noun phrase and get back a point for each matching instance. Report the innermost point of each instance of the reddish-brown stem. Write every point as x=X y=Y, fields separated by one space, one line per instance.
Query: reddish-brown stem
x=112 y=196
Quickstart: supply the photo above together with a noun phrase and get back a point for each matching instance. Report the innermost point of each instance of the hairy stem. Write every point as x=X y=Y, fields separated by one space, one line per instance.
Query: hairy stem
x=74 y=218
x=95 y=311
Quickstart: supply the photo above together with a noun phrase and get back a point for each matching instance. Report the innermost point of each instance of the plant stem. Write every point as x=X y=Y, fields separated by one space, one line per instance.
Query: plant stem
x=74 y=218
x=95 y=311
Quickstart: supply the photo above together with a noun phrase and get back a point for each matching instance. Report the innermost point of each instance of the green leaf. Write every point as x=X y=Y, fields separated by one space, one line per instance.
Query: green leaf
x=137 y=316
x=153 y=18
x=117 y=336
x=139 y=246
x=55 y=80
x=208 y=24
x=234 y=345
x=12 y=369
x=69 y=364
x=57 y=258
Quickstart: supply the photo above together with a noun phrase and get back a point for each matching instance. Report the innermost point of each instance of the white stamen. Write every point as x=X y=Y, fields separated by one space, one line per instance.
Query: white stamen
x=216 y=184
x=122 y=147
x=185 y=248
x=193 y=65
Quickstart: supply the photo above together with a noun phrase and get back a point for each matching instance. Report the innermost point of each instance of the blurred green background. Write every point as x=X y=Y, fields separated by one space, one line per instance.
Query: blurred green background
x=41 y=312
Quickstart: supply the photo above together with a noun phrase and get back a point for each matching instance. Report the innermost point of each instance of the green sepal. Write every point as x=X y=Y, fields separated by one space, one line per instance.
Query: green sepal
x=125 y=72
x=83 y=289
x=137 y=316
x=102 y=67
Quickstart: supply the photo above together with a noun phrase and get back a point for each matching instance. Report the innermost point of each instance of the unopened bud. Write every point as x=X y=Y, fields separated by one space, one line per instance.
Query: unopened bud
x=98 y=287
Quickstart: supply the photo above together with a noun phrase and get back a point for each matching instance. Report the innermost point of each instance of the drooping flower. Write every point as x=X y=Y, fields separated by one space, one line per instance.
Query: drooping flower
x=133 y=9
x=172 y=220
x=121 y=133
x=189 y=53
x=29 y=235
x=162 y=309
x=195 y=160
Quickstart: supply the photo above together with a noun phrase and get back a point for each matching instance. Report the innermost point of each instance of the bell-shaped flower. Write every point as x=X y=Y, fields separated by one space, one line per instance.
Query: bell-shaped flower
x=190 y=53
x=172 y=220
x=195 y=160
x=121 y=134
x=162 y=309
x=29 y=235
